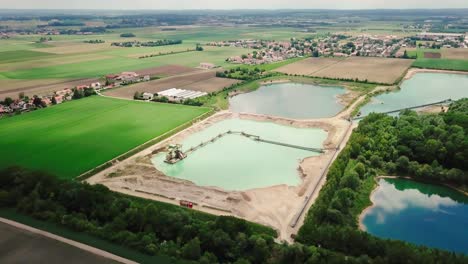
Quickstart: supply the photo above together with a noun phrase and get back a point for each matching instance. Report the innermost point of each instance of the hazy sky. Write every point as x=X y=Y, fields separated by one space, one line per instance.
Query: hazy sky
x=230 y=4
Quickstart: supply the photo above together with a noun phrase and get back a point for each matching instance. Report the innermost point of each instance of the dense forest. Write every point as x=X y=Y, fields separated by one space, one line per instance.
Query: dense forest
x=426 y=147
x=408 y=144
x=150 y=227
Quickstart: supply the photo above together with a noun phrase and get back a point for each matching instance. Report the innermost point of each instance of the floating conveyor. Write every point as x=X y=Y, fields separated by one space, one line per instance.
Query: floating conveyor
x=177 y=155
x=409 y=108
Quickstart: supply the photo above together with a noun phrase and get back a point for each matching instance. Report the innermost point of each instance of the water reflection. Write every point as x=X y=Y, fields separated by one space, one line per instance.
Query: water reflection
x=389 y=200
x=420 y=213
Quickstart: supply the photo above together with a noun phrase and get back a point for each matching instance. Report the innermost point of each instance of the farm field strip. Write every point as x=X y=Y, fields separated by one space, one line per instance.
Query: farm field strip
x=308 y=66
x=377 y=70
x=442 y=64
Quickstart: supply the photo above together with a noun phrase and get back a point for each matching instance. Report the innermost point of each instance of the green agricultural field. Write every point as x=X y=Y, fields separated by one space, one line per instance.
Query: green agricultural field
x=67 y=56
x=70 y=139
x=419 y=53
x=97 y=68
x=21 y=55
x=443 y=64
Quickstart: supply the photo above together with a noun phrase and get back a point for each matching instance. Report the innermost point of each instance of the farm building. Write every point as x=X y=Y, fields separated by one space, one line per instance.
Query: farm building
x=81 y=87
x=147 y=96
x=96 y=85
x=58 y=99
x=181 y=94
x=126 y=77
x=64 y=92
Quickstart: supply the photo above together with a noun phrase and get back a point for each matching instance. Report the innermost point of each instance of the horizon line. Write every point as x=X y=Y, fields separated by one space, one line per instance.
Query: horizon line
x=237 y=9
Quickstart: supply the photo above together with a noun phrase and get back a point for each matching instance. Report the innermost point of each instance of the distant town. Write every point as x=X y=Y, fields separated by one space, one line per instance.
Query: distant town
x=341 y=45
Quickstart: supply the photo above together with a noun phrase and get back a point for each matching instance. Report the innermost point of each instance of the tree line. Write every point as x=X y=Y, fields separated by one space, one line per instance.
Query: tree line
x=425 y=147
x=157 y=43
x=150 y=227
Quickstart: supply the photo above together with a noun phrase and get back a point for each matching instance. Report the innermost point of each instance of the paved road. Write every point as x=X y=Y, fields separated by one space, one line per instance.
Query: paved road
x=21 y=246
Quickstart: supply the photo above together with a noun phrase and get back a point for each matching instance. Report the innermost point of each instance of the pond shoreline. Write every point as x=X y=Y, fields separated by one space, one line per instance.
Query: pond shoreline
x=413 y=71
x=364 y=212
x=287 y=98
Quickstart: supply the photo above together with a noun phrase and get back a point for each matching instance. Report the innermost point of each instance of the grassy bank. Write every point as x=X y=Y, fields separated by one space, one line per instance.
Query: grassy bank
x=74 y=137
x=442 y=64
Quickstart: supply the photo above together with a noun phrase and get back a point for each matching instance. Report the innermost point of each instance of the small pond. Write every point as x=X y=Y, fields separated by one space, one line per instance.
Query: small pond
x=420 y=213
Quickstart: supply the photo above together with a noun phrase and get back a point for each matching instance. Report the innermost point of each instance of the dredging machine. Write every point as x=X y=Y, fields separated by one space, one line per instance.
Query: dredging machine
x=174 y=154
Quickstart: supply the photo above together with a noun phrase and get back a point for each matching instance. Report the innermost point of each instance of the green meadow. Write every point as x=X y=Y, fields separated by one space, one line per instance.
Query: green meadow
x=443 y=64
x=419 y=53
x=72 y=138
x=21 y=55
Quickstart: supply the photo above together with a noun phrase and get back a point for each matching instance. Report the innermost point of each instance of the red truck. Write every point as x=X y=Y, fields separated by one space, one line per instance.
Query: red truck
x=187 y=204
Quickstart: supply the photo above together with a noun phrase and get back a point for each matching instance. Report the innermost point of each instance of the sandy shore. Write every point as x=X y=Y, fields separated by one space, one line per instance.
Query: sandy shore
x=411 y=72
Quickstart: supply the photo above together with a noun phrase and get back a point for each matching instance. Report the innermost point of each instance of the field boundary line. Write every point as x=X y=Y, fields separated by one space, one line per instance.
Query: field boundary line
x=84 y=247
x=142 y=146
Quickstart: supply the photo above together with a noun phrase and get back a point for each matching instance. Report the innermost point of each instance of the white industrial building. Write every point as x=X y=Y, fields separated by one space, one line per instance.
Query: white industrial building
x=181 y=94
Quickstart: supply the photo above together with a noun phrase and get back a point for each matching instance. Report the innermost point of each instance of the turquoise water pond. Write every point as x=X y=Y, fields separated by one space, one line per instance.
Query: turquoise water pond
x=420 y=213
x=235 y=162
x=422 y=88
x=291 y=100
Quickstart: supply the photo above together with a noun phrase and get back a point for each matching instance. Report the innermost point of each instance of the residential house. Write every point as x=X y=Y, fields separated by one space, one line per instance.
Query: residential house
x=46 y=101
x=96 y=85
x=82 y=87
x=58 y=99
x=128 y=76
x=64 y=92
x=124 y=77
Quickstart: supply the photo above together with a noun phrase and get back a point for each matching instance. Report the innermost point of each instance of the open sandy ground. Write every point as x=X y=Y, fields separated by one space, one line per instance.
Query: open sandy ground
x=276 y=206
